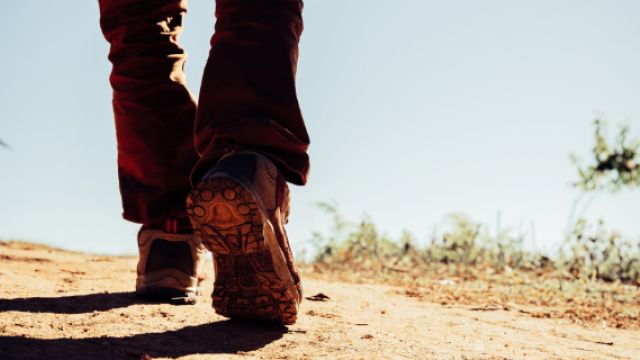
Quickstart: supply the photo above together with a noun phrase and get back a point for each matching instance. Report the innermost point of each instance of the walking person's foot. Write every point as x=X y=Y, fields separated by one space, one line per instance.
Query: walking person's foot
x=171 y=264
x=239 y=209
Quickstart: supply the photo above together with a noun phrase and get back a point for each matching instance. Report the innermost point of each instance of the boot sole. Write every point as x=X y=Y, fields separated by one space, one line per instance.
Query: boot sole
x=252 y=281
x=167 y=288
x=167 y=293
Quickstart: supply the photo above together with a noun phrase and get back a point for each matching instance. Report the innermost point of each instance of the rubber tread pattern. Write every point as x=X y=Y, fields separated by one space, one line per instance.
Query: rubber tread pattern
x=228 y=220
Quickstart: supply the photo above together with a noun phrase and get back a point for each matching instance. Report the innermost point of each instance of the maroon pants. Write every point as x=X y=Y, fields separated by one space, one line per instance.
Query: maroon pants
x=248 y=97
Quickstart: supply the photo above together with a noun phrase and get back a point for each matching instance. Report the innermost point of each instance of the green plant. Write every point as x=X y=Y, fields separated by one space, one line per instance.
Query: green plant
x=616 y=164
x=615 y=167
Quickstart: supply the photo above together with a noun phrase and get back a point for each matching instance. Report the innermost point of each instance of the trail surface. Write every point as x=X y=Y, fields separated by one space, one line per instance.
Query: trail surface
x=62 y=305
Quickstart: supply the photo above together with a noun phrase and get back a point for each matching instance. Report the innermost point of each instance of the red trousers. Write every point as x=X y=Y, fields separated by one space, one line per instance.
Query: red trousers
x=166 y=140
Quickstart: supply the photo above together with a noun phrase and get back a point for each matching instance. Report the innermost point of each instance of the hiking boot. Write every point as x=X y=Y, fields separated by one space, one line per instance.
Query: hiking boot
x=171 y=265
x=239 y=209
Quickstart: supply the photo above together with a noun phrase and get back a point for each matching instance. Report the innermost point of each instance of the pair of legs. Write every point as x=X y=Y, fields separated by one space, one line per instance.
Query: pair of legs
x=170 y=147
x=166 y=140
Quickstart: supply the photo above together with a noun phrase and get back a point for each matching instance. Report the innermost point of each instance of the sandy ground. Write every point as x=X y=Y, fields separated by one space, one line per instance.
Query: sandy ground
x=62 y=305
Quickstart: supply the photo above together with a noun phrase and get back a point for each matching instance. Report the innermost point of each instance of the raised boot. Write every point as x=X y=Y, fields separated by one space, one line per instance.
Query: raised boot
x=239 y=209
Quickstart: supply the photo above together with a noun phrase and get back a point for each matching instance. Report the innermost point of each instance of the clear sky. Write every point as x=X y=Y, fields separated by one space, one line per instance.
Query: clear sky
x=415 y=109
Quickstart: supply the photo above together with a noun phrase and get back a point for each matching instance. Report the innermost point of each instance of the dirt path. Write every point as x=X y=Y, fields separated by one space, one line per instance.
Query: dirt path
x=62 y=305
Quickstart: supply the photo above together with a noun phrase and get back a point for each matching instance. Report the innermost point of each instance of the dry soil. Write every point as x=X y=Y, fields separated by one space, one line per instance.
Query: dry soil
x=62 y=305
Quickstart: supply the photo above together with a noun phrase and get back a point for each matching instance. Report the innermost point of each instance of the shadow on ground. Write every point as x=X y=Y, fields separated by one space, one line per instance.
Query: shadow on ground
x=224 y=337
x=79 y=304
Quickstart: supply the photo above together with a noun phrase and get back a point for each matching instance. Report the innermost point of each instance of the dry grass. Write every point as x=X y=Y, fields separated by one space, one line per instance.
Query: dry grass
x=594 y=283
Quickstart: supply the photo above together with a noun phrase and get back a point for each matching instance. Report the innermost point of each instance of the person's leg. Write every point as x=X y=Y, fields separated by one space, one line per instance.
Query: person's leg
x=154 y=115
x=154 y=110
x=252 y=138
x=248 y=94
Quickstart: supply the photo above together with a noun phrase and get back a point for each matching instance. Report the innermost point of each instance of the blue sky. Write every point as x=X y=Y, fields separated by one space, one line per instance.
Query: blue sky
x=415 y=109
